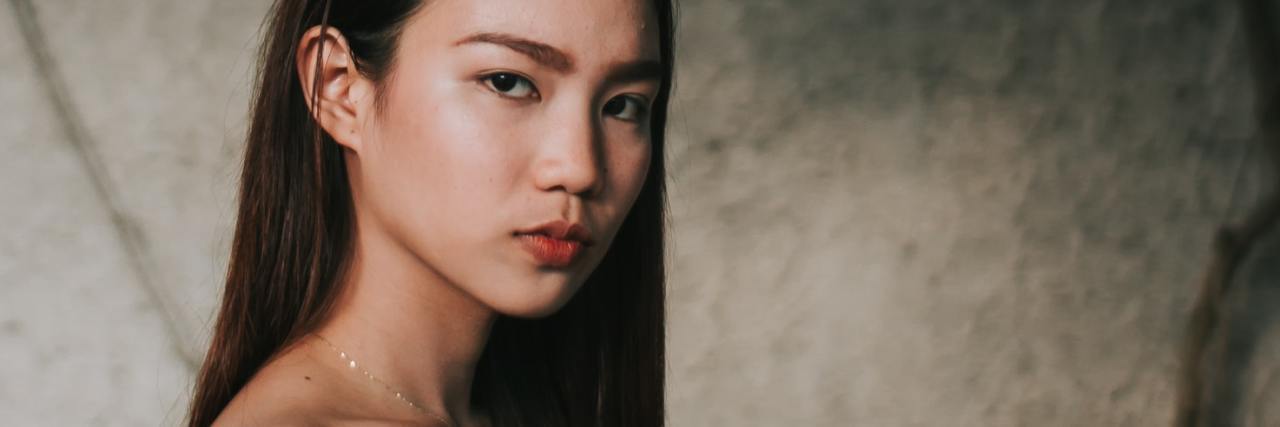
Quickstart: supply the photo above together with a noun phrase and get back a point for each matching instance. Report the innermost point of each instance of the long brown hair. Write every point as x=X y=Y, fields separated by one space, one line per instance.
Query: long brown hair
x=597 y=361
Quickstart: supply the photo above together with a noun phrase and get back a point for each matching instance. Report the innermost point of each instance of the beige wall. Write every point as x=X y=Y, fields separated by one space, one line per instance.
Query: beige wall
x=886 y=213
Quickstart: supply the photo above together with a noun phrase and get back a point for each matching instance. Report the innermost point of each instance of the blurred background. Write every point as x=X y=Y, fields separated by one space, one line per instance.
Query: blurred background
x=886 y=212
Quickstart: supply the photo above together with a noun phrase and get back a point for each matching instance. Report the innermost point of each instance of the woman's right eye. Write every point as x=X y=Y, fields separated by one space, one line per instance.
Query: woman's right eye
x=510 y=85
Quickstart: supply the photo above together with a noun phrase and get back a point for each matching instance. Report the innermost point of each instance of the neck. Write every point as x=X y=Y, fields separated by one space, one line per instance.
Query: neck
x=409 y=327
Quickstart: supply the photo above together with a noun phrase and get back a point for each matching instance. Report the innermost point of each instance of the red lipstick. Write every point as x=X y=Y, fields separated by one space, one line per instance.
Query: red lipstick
x=556 y=243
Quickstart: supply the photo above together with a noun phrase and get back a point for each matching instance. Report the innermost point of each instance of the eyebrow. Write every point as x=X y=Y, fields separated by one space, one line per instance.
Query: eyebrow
x=550 y=57
x=637 y=72
x=541 y=53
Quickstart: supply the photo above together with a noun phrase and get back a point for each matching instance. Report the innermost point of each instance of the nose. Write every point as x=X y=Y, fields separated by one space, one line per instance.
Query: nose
x=570 y=158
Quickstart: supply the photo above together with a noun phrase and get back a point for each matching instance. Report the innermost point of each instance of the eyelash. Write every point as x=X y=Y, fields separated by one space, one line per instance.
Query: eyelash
x=642 y=109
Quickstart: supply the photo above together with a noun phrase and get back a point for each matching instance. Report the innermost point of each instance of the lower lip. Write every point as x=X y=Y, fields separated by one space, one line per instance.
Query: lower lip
x=550 y=251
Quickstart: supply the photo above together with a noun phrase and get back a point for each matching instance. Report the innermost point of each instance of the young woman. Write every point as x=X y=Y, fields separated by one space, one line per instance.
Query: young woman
x=451 y=214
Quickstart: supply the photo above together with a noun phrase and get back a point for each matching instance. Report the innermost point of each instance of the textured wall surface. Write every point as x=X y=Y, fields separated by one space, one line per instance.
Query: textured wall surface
x=949 y=213
x=1243 y=387
x=88 y=334
x=886 y=213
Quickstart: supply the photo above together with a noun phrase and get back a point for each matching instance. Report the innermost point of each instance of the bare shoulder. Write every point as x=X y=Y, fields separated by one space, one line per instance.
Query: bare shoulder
x=297 y=388
x=293 y=389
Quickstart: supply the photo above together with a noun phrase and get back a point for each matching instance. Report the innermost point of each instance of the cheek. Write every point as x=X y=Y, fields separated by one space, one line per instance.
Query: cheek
x=628 y=170
x=441 y=161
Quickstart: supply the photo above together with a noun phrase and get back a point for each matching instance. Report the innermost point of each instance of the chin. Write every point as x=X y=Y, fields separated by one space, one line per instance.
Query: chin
x=529 y=309
x=541 y=300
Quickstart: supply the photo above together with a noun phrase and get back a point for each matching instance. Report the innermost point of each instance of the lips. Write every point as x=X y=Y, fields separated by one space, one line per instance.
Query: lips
x=555 y=244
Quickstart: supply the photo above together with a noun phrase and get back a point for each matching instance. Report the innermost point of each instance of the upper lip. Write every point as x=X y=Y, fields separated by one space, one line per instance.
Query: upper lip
x=563 y=230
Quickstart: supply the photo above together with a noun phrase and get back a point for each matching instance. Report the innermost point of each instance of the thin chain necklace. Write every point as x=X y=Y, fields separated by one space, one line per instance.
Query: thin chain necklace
x=351 y=363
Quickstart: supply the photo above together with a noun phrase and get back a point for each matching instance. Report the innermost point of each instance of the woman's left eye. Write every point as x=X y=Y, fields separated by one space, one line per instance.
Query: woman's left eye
x=627 y=108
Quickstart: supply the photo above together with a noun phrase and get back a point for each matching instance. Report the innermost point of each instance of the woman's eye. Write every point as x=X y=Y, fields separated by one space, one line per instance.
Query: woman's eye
x=625 y=107
x=511 y=85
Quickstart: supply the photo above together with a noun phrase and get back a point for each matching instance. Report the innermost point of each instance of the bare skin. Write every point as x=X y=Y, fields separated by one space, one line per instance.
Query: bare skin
x=444 y=176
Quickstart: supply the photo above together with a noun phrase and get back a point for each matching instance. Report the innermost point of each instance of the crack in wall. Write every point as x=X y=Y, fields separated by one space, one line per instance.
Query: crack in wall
x=92 y=163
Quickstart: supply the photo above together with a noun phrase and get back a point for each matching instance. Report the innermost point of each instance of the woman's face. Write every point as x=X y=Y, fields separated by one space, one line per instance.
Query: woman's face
x=500 y=117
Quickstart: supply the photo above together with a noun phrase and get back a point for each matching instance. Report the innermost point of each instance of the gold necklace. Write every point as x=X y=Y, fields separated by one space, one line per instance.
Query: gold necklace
x=351 y=363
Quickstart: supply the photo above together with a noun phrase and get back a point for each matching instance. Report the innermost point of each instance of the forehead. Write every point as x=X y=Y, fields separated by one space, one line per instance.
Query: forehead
x=592 y=31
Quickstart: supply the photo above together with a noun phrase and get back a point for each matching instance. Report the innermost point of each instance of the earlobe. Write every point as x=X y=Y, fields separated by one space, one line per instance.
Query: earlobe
x=333 y=87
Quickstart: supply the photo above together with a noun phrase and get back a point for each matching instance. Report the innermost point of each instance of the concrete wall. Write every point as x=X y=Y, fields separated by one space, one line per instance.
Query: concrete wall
x=109 y=267
x=887 y=213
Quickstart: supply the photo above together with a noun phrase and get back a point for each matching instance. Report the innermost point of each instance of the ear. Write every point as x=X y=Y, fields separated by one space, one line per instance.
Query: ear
x=328 y=73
